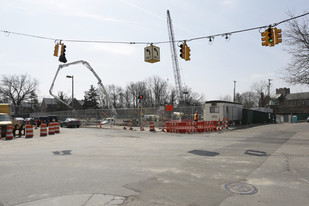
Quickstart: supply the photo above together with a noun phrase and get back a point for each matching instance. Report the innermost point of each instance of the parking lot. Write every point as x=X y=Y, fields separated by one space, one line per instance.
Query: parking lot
x=262 y=165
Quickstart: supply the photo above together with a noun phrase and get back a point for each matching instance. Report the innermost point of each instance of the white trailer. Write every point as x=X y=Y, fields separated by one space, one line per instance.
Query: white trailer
x=217 y=109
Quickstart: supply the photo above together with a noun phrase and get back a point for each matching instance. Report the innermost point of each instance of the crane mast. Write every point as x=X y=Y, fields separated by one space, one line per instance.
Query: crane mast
x=176 y=69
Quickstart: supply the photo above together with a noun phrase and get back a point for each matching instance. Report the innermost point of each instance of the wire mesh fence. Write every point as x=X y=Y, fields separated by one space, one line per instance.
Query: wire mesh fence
x=135 y=116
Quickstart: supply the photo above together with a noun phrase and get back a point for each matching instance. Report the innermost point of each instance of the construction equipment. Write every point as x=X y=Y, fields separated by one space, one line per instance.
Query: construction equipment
x=178 y=83
x=87 y=65
x=6 y=120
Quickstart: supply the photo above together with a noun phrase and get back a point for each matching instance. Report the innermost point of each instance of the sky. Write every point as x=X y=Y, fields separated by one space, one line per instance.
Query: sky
x=212 y=70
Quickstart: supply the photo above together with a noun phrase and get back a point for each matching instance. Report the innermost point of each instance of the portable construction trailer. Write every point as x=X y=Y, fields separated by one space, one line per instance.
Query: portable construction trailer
x=217 y=109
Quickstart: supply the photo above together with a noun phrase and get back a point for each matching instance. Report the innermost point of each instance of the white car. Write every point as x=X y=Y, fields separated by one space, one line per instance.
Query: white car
x=308 y=119
x=19 y=119
x=107 y=121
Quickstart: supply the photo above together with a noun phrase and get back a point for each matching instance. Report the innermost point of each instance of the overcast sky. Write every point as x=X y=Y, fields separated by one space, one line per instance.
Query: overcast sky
x=212 y=68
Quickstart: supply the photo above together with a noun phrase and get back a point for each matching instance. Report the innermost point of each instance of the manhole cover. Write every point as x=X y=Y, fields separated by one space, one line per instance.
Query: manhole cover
x=241 y=188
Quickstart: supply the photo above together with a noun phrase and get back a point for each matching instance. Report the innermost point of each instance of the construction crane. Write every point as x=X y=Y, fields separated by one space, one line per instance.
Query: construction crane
x=176 y=69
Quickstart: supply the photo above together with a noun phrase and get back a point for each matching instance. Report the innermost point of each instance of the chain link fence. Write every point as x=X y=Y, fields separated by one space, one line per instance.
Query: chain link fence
x=137 y=116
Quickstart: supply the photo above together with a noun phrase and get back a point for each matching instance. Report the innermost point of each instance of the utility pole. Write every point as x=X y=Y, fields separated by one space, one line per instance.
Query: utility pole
x=269 y=87
x=234 y=91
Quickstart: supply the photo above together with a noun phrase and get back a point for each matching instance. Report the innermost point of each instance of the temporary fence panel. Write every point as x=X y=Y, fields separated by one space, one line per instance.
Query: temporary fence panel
x=190 y=126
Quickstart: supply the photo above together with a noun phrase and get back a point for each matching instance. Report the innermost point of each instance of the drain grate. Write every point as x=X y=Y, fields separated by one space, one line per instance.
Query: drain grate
x=241 y=188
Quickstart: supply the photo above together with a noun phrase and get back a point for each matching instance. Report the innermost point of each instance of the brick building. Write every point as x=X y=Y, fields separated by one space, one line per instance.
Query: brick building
x=286 y=103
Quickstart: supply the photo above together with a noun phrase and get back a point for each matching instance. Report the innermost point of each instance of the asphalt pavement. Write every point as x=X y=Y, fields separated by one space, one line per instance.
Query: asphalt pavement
x=261 y=165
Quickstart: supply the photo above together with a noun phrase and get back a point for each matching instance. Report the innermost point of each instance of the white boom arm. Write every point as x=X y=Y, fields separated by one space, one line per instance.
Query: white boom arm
x=87 y=65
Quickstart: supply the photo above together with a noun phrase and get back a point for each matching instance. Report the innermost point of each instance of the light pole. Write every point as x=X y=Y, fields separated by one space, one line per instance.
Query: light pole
x=234 y=91
x=72 y=77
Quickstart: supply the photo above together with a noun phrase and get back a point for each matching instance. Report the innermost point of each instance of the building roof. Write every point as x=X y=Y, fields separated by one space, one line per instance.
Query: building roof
x=49 y=101
x=297 y=96
x=221 y=101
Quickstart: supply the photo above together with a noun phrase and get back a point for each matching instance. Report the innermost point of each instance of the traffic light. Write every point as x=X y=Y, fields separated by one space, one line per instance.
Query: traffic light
x=265 y=38
x=271 y=40
x=56 y=51
x=278 y=36
x=183 y=50
x=62 y=54
x=187 y=53
x=140 y=97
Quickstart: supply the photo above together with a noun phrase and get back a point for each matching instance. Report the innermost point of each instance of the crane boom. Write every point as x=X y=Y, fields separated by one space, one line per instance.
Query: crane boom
x=177 y=77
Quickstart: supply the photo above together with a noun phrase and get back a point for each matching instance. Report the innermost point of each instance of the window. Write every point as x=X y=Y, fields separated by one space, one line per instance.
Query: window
x=214 y=109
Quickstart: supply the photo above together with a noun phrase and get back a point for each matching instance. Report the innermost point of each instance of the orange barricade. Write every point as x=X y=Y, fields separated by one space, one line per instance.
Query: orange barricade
x=163 y=126
x=191 y=127
x=151 y=127
x=9 y=133
x=29 y=131
x=43 y=131
x=168 y=128
x=51 y=130
x=57 y=127
x=226 y=123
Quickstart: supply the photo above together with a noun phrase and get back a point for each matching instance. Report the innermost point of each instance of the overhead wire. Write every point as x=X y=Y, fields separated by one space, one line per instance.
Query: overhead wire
x=226 y=34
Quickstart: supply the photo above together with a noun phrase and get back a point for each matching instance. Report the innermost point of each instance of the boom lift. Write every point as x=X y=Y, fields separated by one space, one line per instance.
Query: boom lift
x=101 y=86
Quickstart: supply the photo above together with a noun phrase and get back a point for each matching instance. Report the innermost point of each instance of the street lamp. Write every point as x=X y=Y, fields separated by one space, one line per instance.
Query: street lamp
x=72 y=77
x=234 y=91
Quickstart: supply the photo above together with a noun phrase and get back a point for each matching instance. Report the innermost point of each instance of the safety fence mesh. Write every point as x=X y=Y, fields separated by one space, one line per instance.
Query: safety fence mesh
x=137 y=116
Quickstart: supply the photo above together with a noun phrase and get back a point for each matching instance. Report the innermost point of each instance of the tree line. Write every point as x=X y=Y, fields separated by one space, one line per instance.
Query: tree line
x=155 y=92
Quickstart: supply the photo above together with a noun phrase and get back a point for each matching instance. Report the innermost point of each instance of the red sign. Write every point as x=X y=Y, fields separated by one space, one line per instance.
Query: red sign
x=169 y=107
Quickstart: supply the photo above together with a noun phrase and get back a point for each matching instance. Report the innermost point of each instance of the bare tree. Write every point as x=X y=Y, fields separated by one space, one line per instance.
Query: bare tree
x=192 y=98
x=226 y=98
x=129 y=95
x=297 y=71
x=114 y=93
x=64 y=97
x=17 y=89
x=261 y=90
x=159 y=89
x=249 y=99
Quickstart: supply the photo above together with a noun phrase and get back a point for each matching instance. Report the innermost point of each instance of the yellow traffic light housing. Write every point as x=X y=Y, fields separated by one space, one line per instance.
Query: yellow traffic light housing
x=187 y=55
x=56 y=51
x=278 y=36
x=265 y=38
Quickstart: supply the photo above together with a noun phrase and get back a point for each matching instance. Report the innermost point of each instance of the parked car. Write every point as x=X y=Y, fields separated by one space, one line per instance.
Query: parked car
x=20 y=120
x=308 y=119
x=29 y=120
x=70 y=122
x=46 y=119
x=107 y=121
